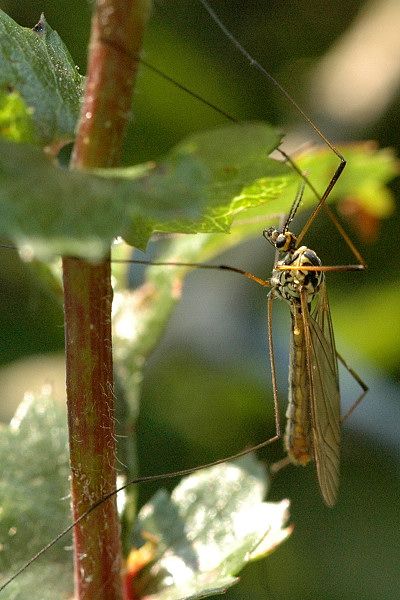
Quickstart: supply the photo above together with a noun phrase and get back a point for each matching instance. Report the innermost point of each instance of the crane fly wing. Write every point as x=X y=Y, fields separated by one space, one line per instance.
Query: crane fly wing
x=324 y=394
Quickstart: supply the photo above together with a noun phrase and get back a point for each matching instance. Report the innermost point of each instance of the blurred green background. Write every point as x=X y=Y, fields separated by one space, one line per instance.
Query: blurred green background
x=207 y=391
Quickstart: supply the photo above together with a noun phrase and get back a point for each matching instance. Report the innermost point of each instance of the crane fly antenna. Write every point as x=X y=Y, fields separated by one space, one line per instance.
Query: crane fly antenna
x=296 y=204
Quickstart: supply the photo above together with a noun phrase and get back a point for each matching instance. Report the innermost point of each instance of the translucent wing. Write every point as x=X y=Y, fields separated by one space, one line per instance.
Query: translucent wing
x=324 y=393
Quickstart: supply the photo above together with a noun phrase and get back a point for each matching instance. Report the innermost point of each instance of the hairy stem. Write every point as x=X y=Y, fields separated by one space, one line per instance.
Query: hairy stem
x=115 y=43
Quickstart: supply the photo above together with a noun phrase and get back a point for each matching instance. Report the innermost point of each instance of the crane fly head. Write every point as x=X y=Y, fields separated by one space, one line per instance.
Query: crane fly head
x=282 y=240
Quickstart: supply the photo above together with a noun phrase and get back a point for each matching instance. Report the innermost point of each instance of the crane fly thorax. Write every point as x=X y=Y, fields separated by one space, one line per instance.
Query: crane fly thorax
x=288 y=283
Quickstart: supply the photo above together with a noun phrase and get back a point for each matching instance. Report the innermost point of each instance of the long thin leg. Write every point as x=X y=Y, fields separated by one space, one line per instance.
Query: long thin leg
x=279 y=465
x=254 y=63
x=321 y=268
x=247 y=274
x=270 y=301
x=360 y=382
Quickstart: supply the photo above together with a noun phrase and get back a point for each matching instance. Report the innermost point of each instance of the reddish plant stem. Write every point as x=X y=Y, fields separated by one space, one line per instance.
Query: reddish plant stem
x=91 y=427
x=116 y=39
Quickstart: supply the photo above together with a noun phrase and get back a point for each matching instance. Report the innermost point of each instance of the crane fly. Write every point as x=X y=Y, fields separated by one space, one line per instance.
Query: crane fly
x=313 y=412
x=298 y=278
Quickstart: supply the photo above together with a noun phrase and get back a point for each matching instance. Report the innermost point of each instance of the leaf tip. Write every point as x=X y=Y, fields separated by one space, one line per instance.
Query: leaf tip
x=40 y=27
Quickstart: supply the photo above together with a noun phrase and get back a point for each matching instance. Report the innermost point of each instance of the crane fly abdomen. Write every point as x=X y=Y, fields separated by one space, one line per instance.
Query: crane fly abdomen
x=298 y=442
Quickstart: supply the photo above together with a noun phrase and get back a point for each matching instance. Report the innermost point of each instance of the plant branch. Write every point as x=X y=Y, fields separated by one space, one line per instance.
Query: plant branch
x=116 y=39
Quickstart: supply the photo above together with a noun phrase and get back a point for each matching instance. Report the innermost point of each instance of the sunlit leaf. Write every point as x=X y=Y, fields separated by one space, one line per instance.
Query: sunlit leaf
x=201 y=537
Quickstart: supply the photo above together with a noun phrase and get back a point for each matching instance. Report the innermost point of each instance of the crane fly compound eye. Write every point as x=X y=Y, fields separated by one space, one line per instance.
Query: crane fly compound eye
x=280 y=241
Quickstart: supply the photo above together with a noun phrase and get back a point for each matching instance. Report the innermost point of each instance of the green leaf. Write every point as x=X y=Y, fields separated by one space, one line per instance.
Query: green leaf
x=213 y=524
x=47 y=210
x=36 y=64
x=16 y=123
x=34 y=499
